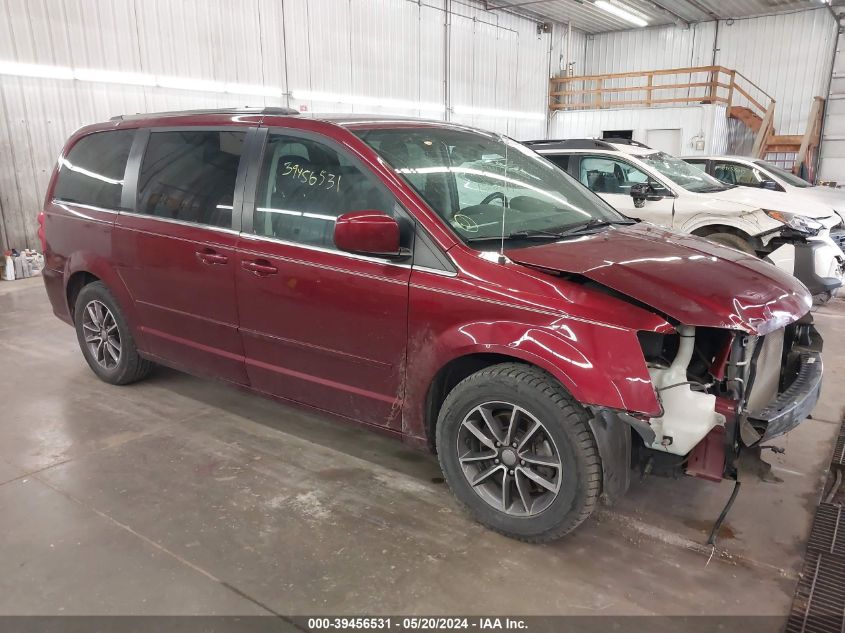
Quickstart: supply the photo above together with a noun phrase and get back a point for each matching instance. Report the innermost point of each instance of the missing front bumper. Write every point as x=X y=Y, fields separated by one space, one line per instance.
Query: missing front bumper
x=792 y=406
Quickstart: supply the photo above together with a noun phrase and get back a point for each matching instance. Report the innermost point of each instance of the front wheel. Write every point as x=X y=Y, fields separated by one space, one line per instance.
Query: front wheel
x=516 y=449
x=734 y=241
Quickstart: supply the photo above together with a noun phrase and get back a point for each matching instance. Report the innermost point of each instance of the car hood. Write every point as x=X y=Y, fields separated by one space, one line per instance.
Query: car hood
x=687 y=278
x=777 y=201
x=835 y=198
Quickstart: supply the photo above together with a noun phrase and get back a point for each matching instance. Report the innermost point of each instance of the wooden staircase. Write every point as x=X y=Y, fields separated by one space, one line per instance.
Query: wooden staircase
x=744 y=100
x=796 y=152
x=746 y=116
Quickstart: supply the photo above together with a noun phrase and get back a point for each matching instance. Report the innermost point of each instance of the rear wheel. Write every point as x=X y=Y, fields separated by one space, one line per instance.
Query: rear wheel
x=517 y=451
x=734 y=241
x=105 y=339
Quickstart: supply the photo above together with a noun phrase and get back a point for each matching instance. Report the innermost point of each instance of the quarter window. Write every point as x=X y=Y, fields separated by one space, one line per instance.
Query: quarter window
x=561 y=160
x=305 y=185
x=92 y=172
x=190 y=176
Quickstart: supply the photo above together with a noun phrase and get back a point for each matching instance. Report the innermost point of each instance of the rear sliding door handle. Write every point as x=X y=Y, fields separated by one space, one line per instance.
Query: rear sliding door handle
x=260 y=267
x=210 y=257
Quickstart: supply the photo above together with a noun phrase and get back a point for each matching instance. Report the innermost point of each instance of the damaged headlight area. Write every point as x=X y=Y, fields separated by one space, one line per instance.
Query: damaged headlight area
x=798 y=223
x=723 y=390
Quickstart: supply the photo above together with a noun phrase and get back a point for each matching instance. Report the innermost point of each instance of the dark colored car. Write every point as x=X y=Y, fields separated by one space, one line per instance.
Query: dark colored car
x=439 y=283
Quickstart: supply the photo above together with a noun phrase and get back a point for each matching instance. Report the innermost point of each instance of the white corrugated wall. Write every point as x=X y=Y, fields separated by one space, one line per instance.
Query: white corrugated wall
x=383 y=49
x=788 y=55
x=650 y=49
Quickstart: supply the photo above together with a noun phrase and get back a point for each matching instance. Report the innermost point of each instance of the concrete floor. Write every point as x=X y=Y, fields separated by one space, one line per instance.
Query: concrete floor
x=182 y=496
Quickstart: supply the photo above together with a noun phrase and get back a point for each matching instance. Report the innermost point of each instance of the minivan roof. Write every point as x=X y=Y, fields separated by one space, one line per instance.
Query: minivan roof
x=343 y=119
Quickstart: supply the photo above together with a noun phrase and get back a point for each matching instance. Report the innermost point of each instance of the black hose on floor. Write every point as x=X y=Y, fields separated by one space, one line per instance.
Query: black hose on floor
x=718 y=524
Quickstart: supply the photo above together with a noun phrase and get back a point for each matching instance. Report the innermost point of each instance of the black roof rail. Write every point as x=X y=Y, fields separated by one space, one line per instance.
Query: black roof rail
x=268 y=111
x=584 y=143
x=573 y=143
x=625 y=141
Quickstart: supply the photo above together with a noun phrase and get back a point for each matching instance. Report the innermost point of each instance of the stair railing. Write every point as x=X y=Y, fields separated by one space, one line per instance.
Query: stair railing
x=678 y=86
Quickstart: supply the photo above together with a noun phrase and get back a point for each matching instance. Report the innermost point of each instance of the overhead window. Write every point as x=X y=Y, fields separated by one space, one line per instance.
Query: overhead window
x=190 y=176
x=92 y=172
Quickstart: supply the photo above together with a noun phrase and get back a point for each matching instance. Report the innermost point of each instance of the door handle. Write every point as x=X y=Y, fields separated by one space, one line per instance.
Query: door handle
x=211 y=257
x=260 y=267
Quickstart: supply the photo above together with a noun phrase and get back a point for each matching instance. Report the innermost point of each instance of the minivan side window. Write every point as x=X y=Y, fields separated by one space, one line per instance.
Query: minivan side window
x=92 y=172
x=304 y=185
x=189 y=175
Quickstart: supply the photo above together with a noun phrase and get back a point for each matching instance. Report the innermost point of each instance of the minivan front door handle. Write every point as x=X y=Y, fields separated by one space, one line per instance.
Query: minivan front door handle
x=211 y=257
x=260 y=267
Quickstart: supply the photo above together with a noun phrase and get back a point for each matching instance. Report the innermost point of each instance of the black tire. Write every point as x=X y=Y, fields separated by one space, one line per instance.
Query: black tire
x=734 y=241
x=566 y=423
x=130 y=367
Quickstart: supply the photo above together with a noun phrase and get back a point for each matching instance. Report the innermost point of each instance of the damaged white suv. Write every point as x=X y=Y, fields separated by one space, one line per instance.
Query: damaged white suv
x=656 y=187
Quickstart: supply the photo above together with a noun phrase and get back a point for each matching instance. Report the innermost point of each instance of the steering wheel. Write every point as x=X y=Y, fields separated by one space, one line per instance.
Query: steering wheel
x=493 y=196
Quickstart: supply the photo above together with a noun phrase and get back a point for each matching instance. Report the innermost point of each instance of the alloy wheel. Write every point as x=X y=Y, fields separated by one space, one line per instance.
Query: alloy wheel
x=102 y=335
x=509 y=458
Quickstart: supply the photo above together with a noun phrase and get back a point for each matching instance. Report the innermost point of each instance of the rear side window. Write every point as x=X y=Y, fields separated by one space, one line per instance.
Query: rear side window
x=190 y=176
x=92 y=172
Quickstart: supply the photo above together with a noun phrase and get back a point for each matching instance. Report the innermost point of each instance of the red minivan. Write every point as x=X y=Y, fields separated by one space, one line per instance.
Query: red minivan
x=440 y=283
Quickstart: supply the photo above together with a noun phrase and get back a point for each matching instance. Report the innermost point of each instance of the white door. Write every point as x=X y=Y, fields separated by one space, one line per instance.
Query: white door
x=665 y=140
x=612 y=179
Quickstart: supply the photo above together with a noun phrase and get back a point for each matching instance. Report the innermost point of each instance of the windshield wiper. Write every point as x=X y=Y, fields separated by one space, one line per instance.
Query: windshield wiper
x=540 y=234
x=593 y=223
x=520 y=235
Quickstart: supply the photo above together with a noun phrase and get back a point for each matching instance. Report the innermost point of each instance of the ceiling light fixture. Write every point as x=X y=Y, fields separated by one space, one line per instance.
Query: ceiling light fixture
x=621 y=12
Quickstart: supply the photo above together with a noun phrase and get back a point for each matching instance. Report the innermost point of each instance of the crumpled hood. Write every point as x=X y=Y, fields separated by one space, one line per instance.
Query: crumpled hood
x=685 y=277
x=777 y=201
x=826 y=195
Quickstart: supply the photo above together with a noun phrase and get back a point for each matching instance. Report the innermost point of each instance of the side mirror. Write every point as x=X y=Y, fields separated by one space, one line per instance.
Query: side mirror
x=771 y=185
x=643 y=191
x=368 y=233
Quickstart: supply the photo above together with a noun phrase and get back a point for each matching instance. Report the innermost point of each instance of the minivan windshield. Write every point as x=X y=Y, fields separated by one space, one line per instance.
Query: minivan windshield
x=682 y=173
x=787 y=176
x=488 y=187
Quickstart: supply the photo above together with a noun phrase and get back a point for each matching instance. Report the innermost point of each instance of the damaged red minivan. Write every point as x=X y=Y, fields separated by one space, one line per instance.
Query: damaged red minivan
x=440 y=283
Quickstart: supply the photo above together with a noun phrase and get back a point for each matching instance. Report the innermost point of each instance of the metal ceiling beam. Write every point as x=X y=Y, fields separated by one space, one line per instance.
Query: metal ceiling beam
x=706 y=11
x=678 y=19
x=517 y=5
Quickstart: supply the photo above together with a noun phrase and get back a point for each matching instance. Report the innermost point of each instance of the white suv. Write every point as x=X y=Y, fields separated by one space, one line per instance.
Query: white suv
x=759 y=174
x=656 y=187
